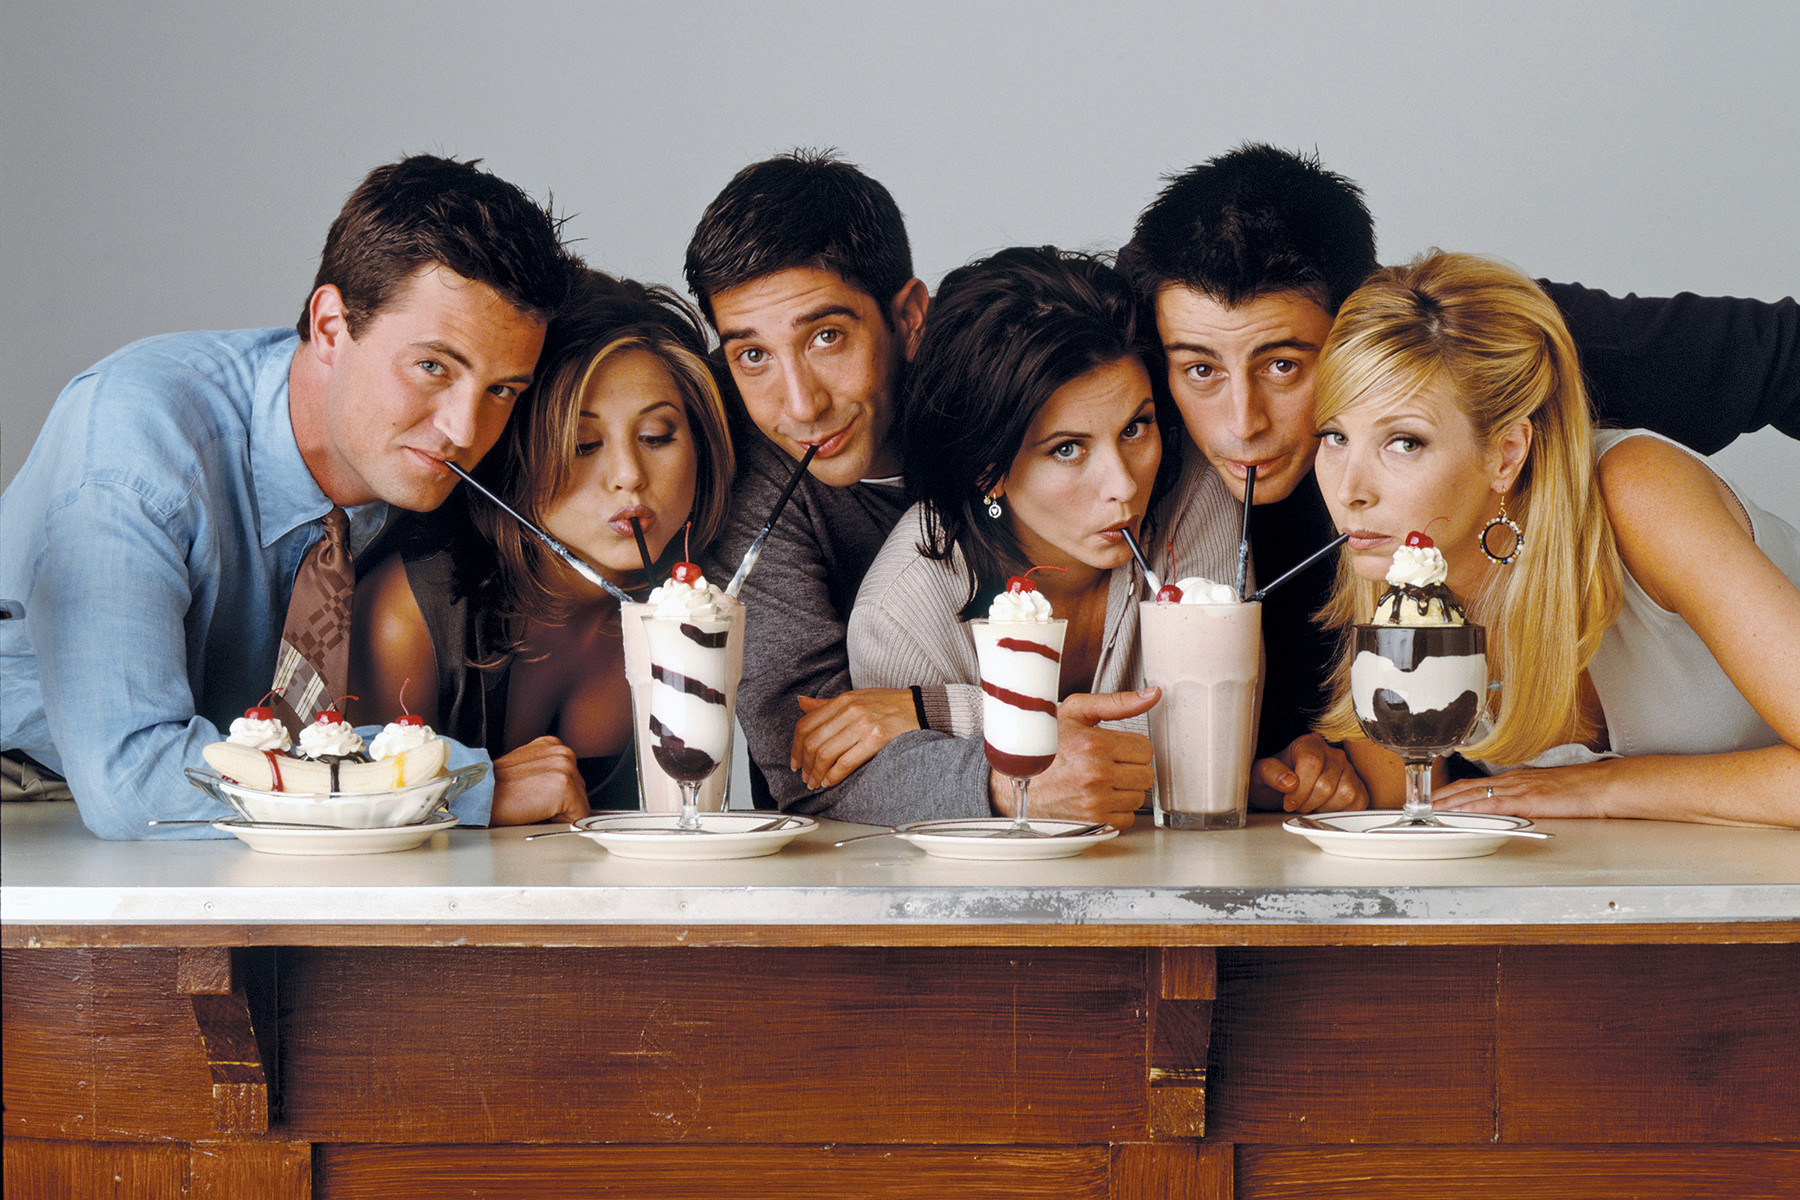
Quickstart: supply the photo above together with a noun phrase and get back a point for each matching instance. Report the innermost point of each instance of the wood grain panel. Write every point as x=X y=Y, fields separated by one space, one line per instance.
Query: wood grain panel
x=1166 y=1170
x=827 y=1045
x=99 y=1044
x=250 y=1171
x=1650 y=1044
x=711 y=1172
x=1353 y=1045
x=1518 y=1172
x=45 y=1170
x=1250 y=933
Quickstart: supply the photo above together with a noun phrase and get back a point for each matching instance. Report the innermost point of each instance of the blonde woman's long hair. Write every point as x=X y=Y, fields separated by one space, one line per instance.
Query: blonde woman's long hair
x=1497 y=345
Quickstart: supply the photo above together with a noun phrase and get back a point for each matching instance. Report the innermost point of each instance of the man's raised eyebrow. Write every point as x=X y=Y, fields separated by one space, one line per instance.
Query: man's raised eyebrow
x=444 y=350
x=802 y=319
x=439 y=349
x=1258 y=352
x=1284 y=344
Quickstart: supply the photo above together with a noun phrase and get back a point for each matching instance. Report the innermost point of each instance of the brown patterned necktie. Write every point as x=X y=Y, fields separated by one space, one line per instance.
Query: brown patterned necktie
x=314 y=663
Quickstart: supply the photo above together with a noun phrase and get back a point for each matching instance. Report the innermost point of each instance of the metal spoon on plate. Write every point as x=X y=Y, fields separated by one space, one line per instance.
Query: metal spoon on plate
x=1081 y=831
x=1309 y=823
x=765 y=827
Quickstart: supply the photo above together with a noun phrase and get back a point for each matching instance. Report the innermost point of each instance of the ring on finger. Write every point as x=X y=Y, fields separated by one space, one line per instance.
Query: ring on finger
x=1490 y=794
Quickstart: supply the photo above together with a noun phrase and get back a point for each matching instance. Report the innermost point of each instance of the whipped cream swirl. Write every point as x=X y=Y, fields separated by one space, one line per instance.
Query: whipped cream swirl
x=1196 y=589
x=1417 y=566
x=1019 y=607
x=268 y=734
x=337 y=739
x=698 y=600
x=396 y=739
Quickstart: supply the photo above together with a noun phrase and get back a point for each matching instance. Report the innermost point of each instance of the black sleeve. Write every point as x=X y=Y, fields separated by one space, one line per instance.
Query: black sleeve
x=1699 y=369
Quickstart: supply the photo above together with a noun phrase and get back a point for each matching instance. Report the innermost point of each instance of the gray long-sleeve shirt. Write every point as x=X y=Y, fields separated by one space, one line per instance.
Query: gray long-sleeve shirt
x=797 y=605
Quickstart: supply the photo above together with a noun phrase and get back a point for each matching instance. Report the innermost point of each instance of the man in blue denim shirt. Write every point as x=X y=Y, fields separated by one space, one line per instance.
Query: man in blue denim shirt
x=155 y=530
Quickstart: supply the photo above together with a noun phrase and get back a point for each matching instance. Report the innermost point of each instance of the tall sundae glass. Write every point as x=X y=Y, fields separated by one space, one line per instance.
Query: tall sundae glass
x=688 y=630
x=1419 y=676
x=1019 y=648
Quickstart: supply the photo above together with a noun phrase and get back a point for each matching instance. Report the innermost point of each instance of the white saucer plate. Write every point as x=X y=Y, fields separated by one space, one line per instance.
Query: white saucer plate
x=974 y=839
x=727 y=835
x=271 y=839
x=1351 y=837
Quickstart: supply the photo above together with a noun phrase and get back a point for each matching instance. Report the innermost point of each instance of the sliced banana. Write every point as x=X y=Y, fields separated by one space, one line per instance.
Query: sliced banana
x=270 y=772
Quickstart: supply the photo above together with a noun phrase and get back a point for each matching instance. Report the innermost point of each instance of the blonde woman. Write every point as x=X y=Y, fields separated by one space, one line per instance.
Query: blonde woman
x=1642 y=617
x=506 y=647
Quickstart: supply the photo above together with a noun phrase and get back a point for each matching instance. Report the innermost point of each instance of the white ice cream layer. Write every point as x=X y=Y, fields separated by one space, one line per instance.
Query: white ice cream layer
x=336 y=738
x=1434 y=685
x=396 y=739
x=1198 y=590
x=698 y=600
x=259 y=735
x=700 y=723
x=1008 y=728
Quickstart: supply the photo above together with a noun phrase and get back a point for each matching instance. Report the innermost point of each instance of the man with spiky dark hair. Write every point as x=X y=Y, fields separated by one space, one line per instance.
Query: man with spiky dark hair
x=180 y=486
x=1246 y=259
x=802 y=265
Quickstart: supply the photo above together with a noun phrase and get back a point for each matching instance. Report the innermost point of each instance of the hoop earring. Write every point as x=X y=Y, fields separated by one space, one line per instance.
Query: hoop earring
x=1518 y=537
x=993 y=507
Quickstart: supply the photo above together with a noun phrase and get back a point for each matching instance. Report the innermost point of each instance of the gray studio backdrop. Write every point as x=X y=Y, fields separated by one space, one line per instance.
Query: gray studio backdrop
x=174 y=166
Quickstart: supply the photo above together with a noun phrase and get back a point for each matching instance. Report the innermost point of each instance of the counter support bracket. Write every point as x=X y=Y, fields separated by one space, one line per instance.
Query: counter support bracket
x=1184 y=983
x=233 y=994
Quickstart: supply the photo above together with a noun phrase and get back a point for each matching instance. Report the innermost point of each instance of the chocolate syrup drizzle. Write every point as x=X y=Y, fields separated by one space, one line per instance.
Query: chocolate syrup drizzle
x=682 y=683
x=1422 y=596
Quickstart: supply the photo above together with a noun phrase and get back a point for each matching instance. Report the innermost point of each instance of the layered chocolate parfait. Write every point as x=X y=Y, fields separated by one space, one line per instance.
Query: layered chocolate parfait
x=1419 y=678
x=1419 y=689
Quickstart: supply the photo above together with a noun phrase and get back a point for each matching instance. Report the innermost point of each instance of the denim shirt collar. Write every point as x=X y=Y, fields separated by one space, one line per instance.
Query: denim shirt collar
x=287 y=495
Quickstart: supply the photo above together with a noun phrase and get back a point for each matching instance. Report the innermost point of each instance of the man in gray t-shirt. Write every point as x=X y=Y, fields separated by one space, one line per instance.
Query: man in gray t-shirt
x=802 y=265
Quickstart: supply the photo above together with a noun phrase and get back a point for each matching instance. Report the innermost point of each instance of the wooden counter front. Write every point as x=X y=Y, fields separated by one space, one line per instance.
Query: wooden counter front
x=979 y=1041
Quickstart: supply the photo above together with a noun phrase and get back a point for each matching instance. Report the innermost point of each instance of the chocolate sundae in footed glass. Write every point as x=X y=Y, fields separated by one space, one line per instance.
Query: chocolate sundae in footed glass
x=1419 y=676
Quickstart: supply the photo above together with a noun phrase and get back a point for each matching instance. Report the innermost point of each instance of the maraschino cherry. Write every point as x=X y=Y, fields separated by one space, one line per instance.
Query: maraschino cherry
x=1168 y=593
x=334 y=716
x=1418 y=541
x=686 y=572
x=1019 y=584
x=407 y=718
x=259 y=711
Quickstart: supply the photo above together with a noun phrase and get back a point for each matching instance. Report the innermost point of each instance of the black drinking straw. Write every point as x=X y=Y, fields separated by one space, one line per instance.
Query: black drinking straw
x=1243 y=578
x=555 y=547
x=1144 y=566
x=1312 y=558
x=755 y=550
x=637 y=531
